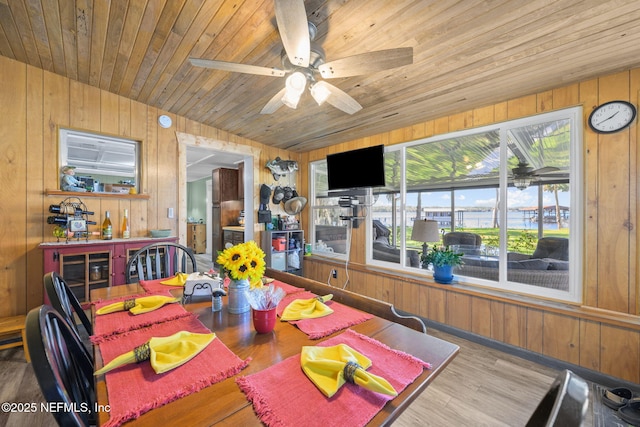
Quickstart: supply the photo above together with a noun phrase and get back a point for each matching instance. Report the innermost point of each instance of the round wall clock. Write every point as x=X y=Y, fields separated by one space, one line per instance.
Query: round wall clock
x=164 y=121
x=612 y=116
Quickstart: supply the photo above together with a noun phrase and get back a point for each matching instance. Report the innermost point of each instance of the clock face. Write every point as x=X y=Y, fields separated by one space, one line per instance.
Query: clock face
x=612 y=116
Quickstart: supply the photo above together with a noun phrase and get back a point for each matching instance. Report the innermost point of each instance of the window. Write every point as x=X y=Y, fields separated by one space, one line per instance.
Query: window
x=101 y=161
x=507 y=196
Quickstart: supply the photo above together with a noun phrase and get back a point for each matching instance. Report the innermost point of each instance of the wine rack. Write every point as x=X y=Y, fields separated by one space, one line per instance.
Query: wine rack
x=70 y=220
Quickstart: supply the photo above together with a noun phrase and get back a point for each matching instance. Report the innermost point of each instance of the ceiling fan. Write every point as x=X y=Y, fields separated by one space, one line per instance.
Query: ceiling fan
x=523 y=174
x=304 y=62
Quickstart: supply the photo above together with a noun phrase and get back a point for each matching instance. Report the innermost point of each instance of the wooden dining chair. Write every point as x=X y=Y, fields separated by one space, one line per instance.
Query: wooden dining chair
x=62 y=368
x=63 y=299
x=160 y=260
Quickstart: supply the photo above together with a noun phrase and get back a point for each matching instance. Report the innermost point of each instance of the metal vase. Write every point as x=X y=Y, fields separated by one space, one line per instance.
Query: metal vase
x=238 y=302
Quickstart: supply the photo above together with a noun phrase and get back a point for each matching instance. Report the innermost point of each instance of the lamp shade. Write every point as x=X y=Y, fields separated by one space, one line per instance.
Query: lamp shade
x=522 y=182
x=425 y=231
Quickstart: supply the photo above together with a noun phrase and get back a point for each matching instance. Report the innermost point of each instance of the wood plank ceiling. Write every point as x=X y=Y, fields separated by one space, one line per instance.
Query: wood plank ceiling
x=467 y=54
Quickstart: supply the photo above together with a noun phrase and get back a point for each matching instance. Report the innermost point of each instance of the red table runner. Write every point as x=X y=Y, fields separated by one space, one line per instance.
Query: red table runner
x=106 y=325
x=135 y=389
x=155 y=287
x=282 y=395
x=341 y=318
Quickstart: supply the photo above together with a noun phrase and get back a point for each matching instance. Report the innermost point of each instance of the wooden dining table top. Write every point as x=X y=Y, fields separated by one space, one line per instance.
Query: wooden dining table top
x=225 y=404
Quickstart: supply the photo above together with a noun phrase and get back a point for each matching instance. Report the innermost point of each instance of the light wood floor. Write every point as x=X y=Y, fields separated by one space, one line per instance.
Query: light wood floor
x=481 y=387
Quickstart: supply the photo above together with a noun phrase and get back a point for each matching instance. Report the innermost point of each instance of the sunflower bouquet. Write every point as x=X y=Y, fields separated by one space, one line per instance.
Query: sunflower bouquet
x=243 y=261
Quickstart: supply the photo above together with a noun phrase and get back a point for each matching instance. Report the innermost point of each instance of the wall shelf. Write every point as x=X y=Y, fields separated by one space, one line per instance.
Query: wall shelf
x=96 y=195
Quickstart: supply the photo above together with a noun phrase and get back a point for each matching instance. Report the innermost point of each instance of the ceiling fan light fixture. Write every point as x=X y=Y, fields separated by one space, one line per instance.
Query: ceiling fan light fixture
x=295 y=85
x=522 y=182
x=320 y=92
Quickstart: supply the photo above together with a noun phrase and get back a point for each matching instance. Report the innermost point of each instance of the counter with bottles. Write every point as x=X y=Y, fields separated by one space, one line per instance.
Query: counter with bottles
x=92 y=264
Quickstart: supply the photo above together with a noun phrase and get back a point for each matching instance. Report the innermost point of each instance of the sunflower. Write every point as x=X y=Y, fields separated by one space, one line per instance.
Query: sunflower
x=243 y=261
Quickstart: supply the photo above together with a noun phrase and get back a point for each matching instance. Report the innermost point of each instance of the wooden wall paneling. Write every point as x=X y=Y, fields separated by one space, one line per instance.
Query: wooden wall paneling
x=84 y=106
x=590 y=333
x=483 y=116
x=497 y=320
x=15 y=176
x=167 y=190
x=410 y=297
x=460 y=121
x=544 y=101
x=138 y=214
x=124 y=117
x=561 y=337
x=521 y=107
x=620 y=353
x=481 y=316
x=567 y=96
x=514 y=325
x=36 y=221
x=437 y=304
x=109 y=113
x=152 y=167
x=458 y=311
x=589 y=100
x=535 y=325
x=613 y=204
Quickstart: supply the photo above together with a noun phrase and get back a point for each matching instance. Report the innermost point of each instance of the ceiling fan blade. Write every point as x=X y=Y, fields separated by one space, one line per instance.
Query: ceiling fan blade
x=274 y=103
x=235 y=67
x=545 y=170
x=291 y=17
x=341 y=100
x=367 y=63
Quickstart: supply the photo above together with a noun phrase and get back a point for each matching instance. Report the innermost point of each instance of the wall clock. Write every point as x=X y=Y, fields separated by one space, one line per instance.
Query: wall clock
x=164 y=121
x=612 y=116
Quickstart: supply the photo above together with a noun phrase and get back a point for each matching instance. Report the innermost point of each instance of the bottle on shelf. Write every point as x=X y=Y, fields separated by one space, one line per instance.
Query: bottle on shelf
x=107 y=228
x=68 y=209
x=126 y=233
x=60 y=220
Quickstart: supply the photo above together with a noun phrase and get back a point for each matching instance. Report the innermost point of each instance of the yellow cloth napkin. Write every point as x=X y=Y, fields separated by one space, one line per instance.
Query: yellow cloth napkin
x=330 y=367
x=178 y=280
x=138 y=305
x=307 y=308
x=164 y=353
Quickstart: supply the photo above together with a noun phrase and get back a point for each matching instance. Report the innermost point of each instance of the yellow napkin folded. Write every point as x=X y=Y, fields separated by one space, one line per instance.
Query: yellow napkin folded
x=330 y=367
x=164 y=353
x=307 y=308
x=138 y=305
x=178 y=280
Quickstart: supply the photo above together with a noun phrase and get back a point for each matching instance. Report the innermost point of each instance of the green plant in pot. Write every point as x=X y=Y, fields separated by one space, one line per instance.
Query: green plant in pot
x=443 y=259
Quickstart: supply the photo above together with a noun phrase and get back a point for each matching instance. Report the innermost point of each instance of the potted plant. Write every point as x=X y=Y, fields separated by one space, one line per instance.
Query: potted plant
x=443 y=260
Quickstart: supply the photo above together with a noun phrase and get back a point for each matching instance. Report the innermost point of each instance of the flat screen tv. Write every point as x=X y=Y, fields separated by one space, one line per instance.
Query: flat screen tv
x=359 y=168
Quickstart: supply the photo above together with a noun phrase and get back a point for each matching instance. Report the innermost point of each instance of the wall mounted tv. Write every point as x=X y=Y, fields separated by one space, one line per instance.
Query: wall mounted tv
x=359 y=168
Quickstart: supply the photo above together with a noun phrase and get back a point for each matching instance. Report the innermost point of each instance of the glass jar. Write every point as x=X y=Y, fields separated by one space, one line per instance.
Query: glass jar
x=95 y=272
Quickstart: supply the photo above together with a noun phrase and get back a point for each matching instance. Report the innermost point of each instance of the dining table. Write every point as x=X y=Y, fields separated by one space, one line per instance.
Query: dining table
x=224 y=403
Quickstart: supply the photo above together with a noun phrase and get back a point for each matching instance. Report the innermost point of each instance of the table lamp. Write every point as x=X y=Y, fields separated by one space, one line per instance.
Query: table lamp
x=425 y=231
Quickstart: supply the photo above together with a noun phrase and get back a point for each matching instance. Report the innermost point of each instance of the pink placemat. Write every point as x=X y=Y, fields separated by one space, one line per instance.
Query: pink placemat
x=287 y=288
x=297 y=401
x=155 y=287
x=341 y=318
x=135 y=389
x=106 y=325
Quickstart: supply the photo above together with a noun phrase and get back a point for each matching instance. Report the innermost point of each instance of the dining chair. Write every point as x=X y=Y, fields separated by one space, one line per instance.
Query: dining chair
x=63 y=299
x=160 y=260
x=62 y=368
x=564 y=405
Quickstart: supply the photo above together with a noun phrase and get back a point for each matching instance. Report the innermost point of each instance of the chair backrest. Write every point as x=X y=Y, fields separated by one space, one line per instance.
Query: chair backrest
x=564 y=405
x=160 y=260
x=63 y=300
x=62 y=368
x=462 y=238
x=552 y=247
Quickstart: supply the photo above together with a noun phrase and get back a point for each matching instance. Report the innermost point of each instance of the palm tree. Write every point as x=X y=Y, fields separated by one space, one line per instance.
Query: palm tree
x=555 y=188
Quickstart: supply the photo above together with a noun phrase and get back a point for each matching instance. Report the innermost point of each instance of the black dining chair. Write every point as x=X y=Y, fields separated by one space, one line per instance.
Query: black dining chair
x=62 y=367
x=63 y=299
x=564 y=405
x=160 y=260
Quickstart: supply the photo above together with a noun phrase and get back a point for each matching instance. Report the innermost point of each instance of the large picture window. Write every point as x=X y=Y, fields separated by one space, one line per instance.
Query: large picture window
x=507 y=196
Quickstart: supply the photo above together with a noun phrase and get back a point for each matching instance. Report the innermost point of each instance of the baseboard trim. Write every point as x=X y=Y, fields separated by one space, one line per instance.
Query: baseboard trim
x=604 y=380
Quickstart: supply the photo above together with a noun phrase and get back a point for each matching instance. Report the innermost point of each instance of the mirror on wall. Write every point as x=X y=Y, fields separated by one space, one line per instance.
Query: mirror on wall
x=98 y=163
